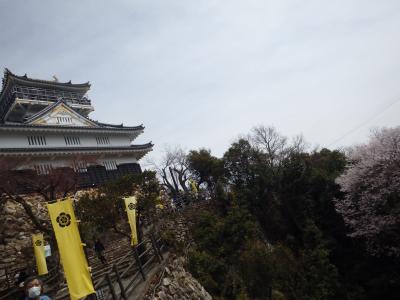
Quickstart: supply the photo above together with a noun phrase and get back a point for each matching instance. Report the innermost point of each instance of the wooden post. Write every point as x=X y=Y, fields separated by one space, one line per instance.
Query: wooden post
x=112 y=290
x=155 y=248
x=121 y=285
x=136 y=254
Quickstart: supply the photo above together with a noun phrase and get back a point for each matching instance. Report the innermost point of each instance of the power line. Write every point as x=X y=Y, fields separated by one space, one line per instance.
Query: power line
x=364 y=123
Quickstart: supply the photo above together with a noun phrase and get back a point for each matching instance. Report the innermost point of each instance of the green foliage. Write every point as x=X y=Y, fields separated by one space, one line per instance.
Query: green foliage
x=148 y=190
x=208 y=269
x=268 y=190
x=219 y=239
x=306 y=275
x=319 y=273
x=223 y=236
x=205 y=167
x=103 y=209
x=287 y=275
x=240 y=163
x=172 y=241
x=290 y=204
x=256 y=269
x=100 y=211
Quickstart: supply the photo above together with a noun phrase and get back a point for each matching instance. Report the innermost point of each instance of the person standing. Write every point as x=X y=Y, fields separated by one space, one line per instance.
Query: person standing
x=99 y=248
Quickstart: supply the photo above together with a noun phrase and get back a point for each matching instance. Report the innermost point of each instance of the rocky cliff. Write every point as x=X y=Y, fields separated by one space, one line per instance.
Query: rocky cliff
x=174 y=282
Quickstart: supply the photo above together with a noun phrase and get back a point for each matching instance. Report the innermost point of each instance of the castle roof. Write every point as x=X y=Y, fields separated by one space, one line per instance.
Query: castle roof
x=139 y=150
x=11 y=78
x=41 y=92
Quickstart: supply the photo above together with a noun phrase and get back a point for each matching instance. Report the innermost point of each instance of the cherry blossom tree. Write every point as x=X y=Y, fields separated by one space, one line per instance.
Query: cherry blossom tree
x=371 y=205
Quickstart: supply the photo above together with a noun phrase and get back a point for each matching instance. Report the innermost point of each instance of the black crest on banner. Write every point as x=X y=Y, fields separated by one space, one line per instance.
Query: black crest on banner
x=63 y=219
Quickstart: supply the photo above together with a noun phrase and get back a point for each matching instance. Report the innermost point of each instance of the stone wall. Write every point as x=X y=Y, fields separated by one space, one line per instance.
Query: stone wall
x=15 y=236
x=174 y=282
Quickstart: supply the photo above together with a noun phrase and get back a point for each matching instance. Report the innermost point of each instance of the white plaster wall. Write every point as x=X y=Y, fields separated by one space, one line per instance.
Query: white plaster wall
x=11 y=139
x=64 y=161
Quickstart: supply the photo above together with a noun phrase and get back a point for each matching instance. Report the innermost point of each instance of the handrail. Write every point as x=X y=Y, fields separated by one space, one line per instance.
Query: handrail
x=132 y=261
x=118 y=262
x=116 y=272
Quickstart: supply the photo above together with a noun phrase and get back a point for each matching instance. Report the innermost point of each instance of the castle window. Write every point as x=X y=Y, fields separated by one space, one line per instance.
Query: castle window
x=43 y=169
x=110 y=164
x=64 y=120
x=103 y=140
x=72 y=140
x=80 y=166
x=36 y=140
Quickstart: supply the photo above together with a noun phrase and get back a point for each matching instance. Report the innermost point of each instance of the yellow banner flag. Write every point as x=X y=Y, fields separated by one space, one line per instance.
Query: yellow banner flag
x=193 y=186
x=130 y=204
x=71 y=249
x=38 y=249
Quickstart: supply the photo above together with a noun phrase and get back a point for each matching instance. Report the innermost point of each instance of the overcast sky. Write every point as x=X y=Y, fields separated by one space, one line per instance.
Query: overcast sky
x=199 y=73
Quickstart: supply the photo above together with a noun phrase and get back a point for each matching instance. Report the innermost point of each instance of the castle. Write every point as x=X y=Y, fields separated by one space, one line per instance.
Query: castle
x=46 y=125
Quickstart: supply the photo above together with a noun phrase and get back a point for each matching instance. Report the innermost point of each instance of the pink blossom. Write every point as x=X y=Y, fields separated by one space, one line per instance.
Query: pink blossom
x=371 y=207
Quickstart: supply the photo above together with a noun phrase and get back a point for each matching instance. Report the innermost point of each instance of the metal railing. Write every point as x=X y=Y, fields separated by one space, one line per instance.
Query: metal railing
x=119 y=280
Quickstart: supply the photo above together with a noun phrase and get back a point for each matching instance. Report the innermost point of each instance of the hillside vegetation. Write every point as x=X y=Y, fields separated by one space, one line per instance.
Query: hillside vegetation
x=280 y=221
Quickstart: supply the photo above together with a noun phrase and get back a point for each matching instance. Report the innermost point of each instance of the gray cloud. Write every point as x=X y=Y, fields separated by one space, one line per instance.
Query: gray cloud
x=200 y=73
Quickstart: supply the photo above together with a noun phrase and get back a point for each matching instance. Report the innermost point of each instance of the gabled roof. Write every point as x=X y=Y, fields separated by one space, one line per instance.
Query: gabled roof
x=65 y=105
x=53 y=106
x=95 y=125
x=10 y=77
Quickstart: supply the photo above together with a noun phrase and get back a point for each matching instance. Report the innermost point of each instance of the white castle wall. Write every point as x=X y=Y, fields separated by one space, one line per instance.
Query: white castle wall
x=11 y=139
x=55 y=162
